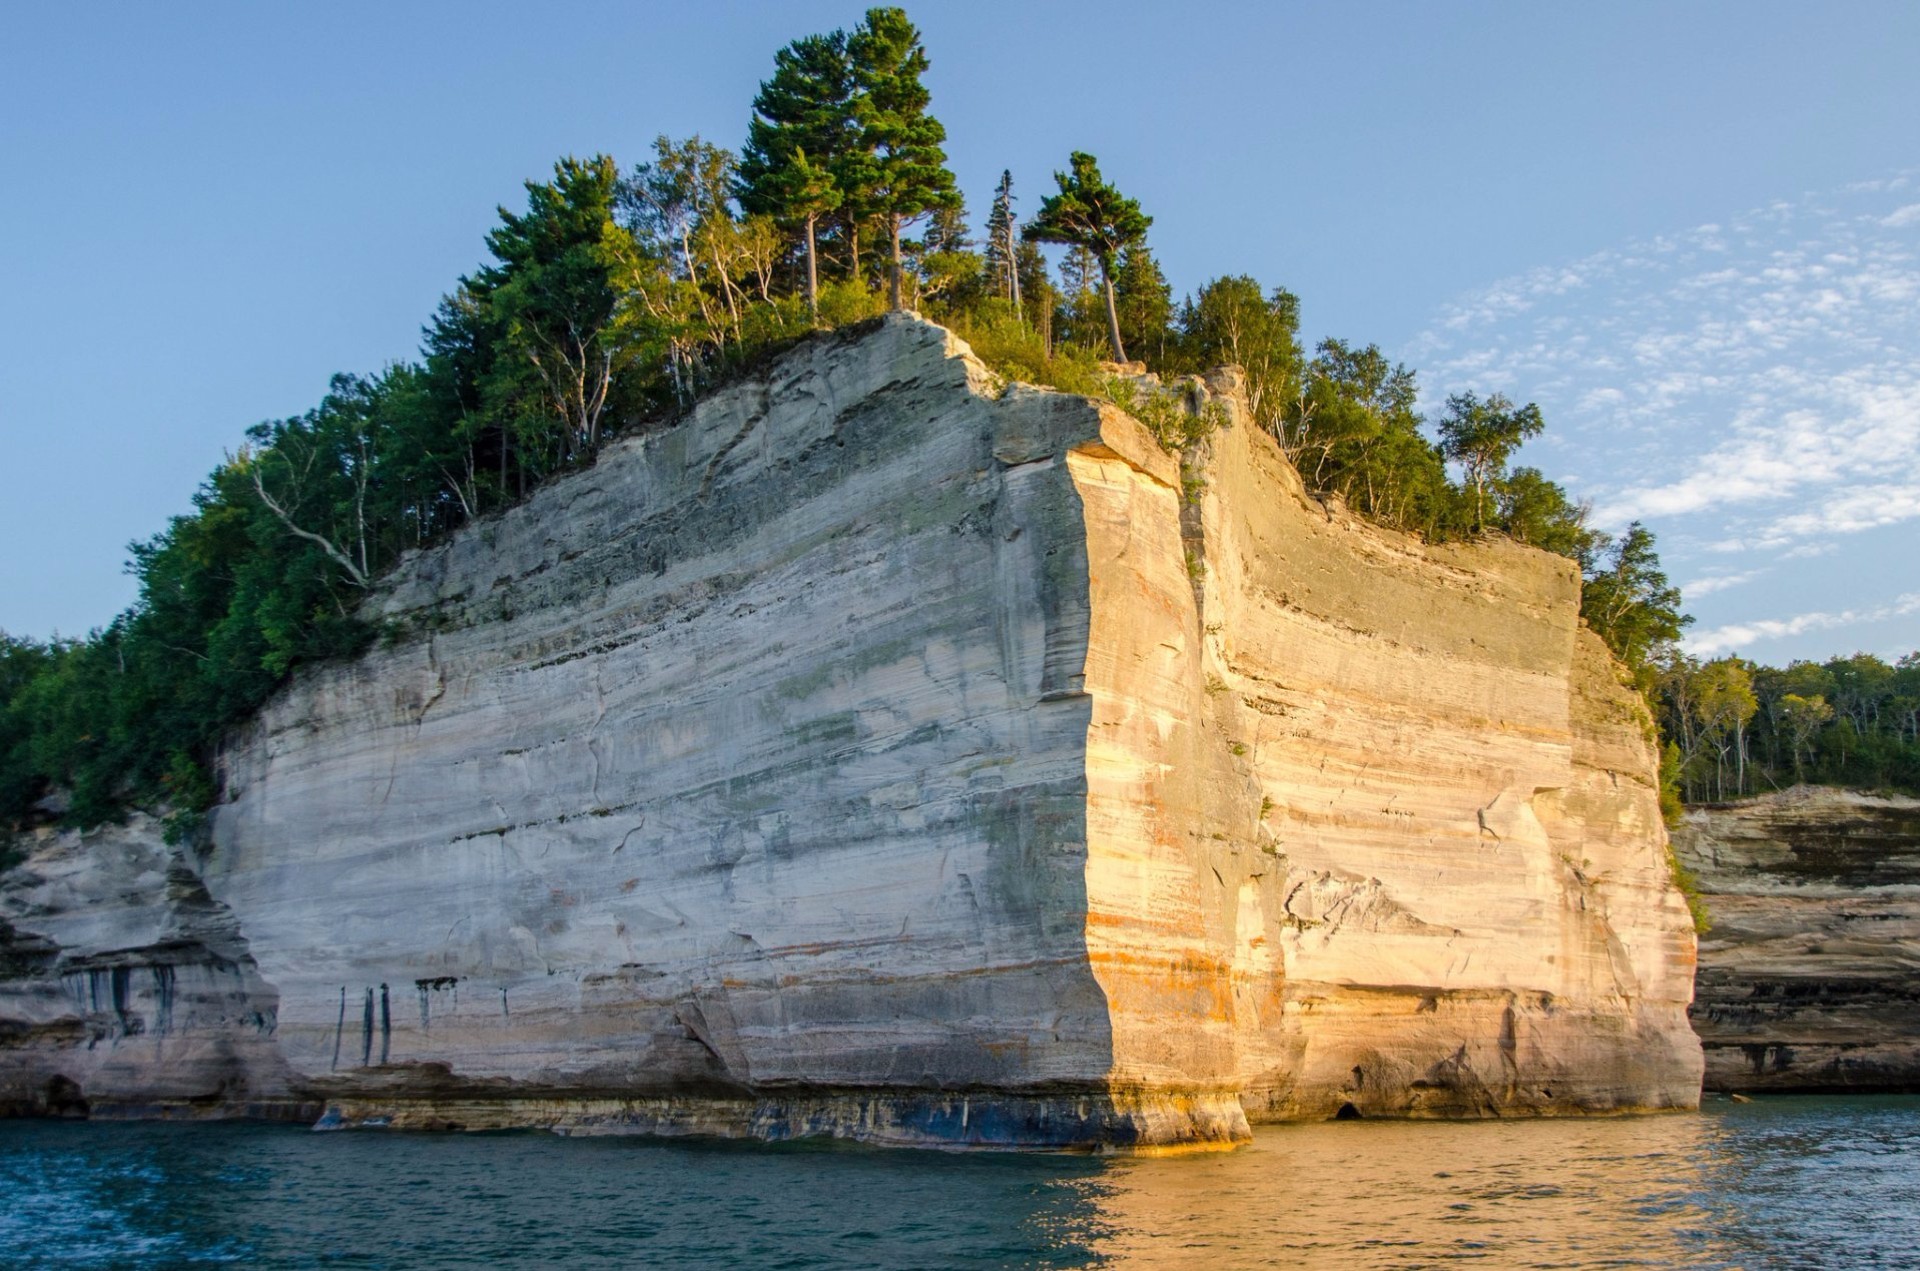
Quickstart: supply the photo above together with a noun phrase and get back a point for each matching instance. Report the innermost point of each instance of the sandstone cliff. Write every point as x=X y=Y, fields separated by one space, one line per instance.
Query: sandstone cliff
x=1810 y=976
x=890 y=752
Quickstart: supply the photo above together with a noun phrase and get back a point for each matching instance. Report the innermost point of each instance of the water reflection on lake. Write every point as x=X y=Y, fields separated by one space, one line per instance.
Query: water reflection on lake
x=1779 y=1183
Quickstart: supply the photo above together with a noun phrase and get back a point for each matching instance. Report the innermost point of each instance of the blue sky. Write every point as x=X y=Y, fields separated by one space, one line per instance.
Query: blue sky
x=1688 y=232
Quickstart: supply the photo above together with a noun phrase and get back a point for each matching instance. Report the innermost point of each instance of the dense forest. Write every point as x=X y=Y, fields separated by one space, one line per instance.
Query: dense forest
x=1736 y=728
x=615 y=297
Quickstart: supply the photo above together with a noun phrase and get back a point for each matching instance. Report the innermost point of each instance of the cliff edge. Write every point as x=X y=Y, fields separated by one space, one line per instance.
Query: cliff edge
x=890 y=752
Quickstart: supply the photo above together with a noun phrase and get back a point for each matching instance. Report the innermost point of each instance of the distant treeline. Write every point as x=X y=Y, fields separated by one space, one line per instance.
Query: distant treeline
x=1737 y=728
x=615 y=298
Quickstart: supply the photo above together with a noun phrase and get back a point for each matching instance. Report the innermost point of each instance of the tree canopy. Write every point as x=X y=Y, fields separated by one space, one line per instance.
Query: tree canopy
x=1742 y=728
x=1481 y=435
x=1090 y=213
x=610 y=300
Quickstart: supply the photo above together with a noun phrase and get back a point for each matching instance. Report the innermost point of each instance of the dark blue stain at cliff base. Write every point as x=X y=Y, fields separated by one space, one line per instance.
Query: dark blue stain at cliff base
x=386 y=1025
x=366 y=1032
x=988 y=1121
x=163 y=999
x=1056 y=1123
x=427 y=988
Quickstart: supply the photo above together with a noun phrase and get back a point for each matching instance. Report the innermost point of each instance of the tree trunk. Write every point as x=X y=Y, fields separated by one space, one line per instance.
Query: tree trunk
x=1013 y=274
x=893 y=230
x=1113 y=316
x=813 y=273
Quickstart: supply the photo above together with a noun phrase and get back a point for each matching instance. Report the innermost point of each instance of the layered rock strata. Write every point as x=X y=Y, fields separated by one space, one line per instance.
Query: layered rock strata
x=890 y=752
x=1810 y=974
x=126 y=990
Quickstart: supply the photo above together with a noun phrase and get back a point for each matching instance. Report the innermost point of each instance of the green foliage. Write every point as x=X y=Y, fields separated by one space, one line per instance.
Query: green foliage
x=1144 y=304
x=803 y=112
x=1741 y=728
x=1088 y=212
x=1671 y=764
x=22 y=663
x=1628 y=601
x=1536 y=511
x=1232 y=323
x=1173 y=419
x=1021 y=352
x=1481 y=436
x=899 y=171
x=1354 y=432
x=1688 y=885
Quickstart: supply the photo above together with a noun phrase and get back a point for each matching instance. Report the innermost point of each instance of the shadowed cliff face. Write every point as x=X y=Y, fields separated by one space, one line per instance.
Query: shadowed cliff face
x=887 y=752
x=1810 y=977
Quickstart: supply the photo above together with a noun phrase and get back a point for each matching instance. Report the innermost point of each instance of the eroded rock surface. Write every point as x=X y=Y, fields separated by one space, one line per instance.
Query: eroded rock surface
x=1377 y=817
x=126 y=990
x=887 y=752
x=1810 y=975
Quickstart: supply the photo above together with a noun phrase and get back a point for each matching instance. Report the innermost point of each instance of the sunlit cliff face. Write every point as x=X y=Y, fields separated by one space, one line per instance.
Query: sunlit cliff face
x=886 y=751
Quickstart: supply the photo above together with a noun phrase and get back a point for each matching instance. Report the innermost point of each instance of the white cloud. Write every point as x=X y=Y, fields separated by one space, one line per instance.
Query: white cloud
x=1856 y=423
x=1738 y=635
x=1750 y=386
x=1718 y=582
x=1847 y=512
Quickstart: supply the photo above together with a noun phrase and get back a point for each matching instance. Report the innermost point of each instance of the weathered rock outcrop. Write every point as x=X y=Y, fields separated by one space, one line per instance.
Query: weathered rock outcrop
x=890 y=752
x=125 y=989
x=1810 y=976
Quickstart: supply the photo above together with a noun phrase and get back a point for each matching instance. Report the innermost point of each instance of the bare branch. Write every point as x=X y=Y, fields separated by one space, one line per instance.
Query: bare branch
x=340 y=558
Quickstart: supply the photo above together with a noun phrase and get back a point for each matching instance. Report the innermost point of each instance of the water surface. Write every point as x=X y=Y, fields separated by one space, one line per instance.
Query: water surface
x=1809 y=1182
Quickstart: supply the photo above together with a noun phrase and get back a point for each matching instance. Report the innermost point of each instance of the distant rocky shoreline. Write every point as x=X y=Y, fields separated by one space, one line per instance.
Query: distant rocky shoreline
x=1810 y=975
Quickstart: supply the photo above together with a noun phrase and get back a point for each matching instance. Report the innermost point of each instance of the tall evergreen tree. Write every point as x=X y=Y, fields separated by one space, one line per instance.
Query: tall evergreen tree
x=1038 y=296
x=564 y=269
x=1082 y=310
x=1090 y=213
x=1002 y=248
x=1144 y=302
x=903 y=173
x=808 y=192
x=801 y=138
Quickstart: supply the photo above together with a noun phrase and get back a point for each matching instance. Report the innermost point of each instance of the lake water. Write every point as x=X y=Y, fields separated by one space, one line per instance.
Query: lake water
x=1786 y=1182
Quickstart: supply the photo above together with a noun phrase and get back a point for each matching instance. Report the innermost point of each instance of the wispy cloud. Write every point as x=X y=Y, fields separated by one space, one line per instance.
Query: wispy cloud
x=1746 y=363
x=1748 y=387
x=1718 y=582
x=1739 y=635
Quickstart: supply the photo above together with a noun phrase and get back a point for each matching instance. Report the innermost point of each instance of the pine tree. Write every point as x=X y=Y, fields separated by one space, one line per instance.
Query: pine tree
x=1002 y=247
x=1081 y=306
x=947 y=230
x=800 y=141
x=1144 y=301
x=1036 y=290
x=807 y=192
x=1088 y=212
x=902 y=174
